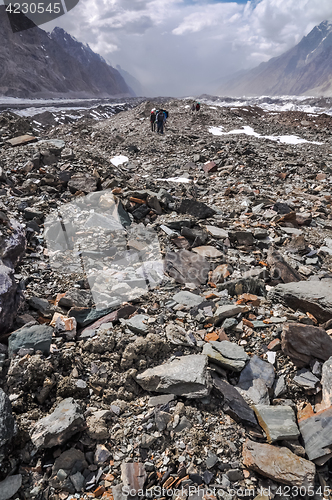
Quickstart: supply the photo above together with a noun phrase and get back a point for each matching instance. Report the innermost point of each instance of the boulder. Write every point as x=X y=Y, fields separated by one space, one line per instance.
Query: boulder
x=187 y=267
x=186 y=376
x=256 y=369
x=82 y=182
x=10 y=486
x=278 y=422
x=315 y=298
x=234 y=404
x=37 y=337
x=278 y=464
x=316 y=431
x=56 y=428
x=195 y=208
x=279 y=269
x=302 y=343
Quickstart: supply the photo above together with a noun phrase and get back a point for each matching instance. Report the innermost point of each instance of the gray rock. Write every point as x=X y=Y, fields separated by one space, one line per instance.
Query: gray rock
x=303 y=343
x=229 y=324
x=234 y=404
x=211 y=460
x=187 y=376
x=82 y=182
x=256 y=368
x=227 y=311
x=316 y=432
x=316 y=298
x=133 y=475
x=102 y=454
x=217 y=232
x=7 y=421
x=304 y=378
x=42 y=305
x=162 y=418
x=257 y=393
x=183 y=424
x=327 y=382
x=10 y=486
x=56 y=428
x=138 y=324
x=37 y=337
x=76 y=298
x=278 y=422
x=280 y=386
x=78 y=481
x=68 y=459
x=188 y=298
x=235 y=475
x=226 y=354
x=187 y=267
x=160 y=400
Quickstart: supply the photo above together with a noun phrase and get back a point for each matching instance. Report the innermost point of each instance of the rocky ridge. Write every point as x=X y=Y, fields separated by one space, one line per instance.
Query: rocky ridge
x=213 y=372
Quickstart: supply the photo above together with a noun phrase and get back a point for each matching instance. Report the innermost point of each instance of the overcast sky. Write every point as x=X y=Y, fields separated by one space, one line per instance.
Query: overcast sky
x=182 y=47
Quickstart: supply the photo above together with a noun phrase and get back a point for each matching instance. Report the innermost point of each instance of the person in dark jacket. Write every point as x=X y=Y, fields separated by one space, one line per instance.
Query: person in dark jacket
x=160 y=121
x=153 y=120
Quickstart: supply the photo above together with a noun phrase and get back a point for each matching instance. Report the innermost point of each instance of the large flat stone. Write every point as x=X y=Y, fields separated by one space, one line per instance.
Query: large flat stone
x=278 y=422
x=234 y=404
x=195 y=208
x=226 y=354
x=187 y=376
x=305 y=342
x=37 y=337
x=314 y=297
x=280 y=269
x=21 y=140
x=207 y=251
x=327 y=382
x=10 y=486
x=138 y=324
x=187 y=267
x=317 y=435
x=279 y=464
x=227 y=311
x=56 y=428
x=187 y=298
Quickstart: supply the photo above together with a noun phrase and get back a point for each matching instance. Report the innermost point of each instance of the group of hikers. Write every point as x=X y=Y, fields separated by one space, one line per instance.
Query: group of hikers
x=196 y=106
x=159 y=117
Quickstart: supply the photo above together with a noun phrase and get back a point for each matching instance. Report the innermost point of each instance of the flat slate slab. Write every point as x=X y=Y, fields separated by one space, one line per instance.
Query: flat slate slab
x=186 y=376
x=207 y=251
x=279 y=464
x=187 y=298
x=234 y=404
x=187 y=267
x=317 y=435
x=226 y=354
x=56 y=428
x=278 y=422
x=7 y=421
x=22 y=139
x=37 y=337
x=314 y=297
x=256 y=369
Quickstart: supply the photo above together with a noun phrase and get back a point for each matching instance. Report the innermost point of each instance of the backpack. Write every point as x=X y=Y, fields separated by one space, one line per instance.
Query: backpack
x=198 y=106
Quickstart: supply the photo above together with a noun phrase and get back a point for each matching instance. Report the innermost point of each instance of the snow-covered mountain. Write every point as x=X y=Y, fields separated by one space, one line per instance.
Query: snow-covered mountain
x=306 y=69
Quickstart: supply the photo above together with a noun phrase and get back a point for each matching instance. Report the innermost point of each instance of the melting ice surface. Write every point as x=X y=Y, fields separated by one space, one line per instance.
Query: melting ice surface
x=285 y=139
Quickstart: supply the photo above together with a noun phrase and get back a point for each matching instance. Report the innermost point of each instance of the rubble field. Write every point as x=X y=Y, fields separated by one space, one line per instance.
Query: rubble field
x=166 y=304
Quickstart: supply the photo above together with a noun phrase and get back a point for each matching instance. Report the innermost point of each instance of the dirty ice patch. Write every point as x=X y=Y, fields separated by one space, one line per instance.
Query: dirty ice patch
x=118 y=160
x=284 y=139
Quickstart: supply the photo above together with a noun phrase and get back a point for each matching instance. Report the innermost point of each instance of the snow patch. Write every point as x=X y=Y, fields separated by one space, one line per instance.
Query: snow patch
x=284 y=139
x=119 y=160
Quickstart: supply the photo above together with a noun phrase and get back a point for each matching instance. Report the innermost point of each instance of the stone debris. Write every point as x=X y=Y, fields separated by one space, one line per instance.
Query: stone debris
x=162 y=298
x=10 y=486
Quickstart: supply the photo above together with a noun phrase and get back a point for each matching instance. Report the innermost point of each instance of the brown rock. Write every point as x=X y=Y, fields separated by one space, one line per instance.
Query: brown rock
x=278 y=464
x=304 y=342
x=210 y=167
x=187 y=267
x=220 y=273
x=22 y=139
x=280 y=269
x=133 y=475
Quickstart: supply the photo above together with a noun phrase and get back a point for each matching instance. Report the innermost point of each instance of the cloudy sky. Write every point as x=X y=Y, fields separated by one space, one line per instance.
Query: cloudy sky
x=183 y=47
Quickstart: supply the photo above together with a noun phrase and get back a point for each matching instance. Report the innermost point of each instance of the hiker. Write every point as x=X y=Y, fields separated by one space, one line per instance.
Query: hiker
x=193 y=107
x=198 y=107
x=165 y=117
x=160 y=121
x=153 y=120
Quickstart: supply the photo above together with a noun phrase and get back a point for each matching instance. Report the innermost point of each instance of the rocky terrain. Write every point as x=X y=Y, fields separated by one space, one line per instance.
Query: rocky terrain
x=303 y=70
x=166 y=305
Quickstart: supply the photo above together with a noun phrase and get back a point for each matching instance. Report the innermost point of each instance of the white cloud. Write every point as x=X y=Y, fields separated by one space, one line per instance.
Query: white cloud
x=178 y=47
